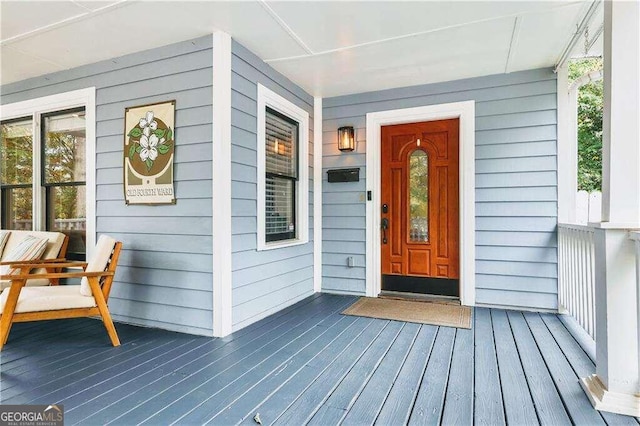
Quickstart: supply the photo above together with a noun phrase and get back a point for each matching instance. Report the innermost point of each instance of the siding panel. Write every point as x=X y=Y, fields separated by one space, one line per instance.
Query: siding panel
x=516 y=184
x=263 y=281
x=165 y=278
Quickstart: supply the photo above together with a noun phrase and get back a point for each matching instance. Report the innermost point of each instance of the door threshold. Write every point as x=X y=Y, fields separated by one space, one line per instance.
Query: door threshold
x=449 y=300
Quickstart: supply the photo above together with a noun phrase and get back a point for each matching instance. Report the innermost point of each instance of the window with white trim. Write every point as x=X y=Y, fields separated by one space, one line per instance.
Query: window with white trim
x=45 y=144
x=283 y=187
x=281 y=163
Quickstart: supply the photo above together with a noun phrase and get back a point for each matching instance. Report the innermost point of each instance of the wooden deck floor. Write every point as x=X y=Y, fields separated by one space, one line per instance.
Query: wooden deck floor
x=308 y=365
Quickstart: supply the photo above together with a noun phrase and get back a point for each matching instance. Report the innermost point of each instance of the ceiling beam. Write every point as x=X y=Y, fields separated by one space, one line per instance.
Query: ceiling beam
x=285 y=27
x=515 y=35
x=72 y=19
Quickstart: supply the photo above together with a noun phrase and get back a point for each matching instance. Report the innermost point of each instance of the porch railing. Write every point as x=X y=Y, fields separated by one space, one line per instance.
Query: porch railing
x=74 y=224
x=576 y=292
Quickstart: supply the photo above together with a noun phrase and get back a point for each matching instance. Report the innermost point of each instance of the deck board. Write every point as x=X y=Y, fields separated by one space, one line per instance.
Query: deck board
x=74 y=377
x=121 y=399
x=580 y=361
x=518 y=404
x=367 y=406
x=548 y=403
x=338 y=403
x=458 y=405
x=307 y=403
x=233 y=383
x=208 y=370
x=488 y=404
x=245 y=405
x=308 y=365
x=427 y=408
x=399 y=403
x=281 y=399
x=565 y=379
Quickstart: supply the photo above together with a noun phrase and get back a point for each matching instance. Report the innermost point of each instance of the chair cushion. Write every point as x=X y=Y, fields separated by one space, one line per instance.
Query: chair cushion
x=30 y=283
x=50 y=298
x=55 y=244
x=99 y=260
x=4 y=236
x=56 y=239
x=30 y=248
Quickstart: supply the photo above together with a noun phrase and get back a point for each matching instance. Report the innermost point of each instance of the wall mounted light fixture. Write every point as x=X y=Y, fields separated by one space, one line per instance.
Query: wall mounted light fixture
x=346 y=139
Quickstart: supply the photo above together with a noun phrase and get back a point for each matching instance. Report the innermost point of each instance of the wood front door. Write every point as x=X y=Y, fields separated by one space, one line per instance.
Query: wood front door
x=420 y=205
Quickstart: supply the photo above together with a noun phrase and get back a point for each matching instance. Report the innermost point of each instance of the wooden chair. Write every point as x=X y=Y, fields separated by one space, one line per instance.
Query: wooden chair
x=21 y=304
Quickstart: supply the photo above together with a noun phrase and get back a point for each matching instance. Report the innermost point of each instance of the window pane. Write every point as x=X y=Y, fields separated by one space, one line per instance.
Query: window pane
x=17 y=208
x=281 y=145
x=66 y=212
x=280 y=223
x=418 y=197
x=16 y=159
x=64 y=147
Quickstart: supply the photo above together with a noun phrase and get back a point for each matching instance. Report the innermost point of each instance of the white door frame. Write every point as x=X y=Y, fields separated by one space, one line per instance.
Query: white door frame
x=465 y=111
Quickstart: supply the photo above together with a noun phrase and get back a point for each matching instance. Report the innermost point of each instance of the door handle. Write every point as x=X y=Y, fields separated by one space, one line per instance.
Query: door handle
x=384 y=225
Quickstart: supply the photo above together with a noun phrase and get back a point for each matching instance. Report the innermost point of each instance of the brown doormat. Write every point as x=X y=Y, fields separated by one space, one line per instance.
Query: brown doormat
x=447 y=315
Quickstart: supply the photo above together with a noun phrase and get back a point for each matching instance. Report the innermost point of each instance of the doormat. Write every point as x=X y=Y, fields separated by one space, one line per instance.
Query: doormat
x=446 y=315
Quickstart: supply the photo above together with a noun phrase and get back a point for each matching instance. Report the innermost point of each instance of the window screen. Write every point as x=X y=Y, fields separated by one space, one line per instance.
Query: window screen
x=281 y=149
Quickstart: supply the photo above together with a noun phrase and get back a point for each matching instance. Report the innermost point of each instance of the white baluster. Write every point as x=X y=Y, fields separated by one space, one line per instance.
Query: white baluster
x=576 y=274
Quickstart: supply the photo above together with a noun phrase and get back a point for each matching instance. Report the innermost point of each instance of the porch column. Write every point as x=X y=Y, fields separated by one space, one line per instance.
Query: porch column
x=616 y=385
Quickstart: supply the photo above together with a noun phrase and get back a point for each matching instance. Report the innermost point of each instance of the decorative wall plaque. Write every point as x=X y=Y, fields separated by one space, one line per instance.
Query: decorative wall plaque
x=149 y=143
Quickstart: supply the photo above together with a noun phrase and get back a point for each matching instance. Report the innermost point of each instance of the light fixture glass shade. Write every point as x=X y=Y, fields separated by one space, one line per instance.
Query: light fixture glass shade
x=346 y=140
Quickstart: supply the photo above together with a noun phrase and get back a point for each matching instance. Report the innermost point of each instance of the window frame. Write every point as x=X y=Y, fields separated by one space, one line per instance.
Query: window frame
x=5 y=188
x=37 y=108
x=269 y=99
x=282 y=236
x=49 y=209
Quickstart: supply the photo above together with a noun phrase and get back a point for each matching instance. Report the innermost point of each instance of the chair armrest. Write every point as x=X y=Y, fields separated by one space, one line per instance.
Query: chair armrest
x=35 y=261
x=49 y=265
x=57 y=275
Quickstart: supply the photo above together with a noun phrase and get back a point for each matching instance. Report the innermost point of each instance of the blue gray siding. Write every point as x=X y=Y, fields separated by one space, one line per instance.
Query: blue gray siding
x=263 y=281
x=516 y=194
x=164 y=277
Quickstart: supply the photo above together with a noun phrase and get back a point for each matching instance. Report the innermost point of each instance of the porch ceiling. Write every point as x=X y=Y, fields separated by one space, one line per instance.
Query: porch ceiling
x=328 y=48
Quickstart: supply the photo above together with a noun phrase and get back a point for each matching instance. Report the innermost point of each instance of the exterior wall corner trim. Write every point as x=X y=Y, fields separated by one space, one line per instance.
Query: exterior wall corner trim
x=221 y=182
x=317 y=194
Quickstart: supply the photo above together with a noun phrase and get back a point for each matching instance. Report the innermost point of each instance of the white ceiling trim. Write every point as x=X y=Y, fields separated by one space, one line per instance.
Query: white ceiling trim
x=77 y=3
x=61 y=66
x=89 y=14
x=514 y=43
x=285 y=26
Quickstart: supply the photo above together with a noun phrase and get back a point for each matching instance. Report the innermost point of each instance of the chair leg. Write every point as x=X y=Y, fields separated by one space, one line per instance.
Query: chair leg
x=111 y=329
x=5 y=327
x=104 y=311
x=6 y=319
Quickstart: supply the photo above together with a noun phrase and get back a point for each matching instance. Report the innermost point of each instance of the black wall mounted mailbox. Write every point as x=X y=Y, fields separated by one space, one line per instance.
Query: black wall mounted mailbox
x=344 y=175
